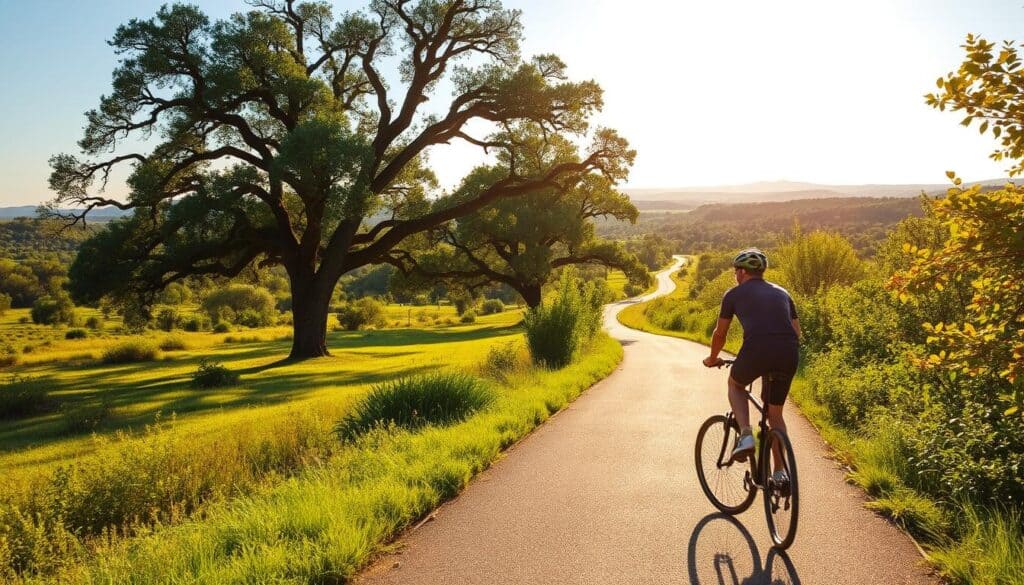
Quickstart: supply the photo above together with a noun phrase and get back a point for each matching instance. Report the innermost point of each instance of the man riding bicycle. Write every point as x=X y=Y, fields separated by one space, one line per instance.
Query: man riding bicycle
x=770 y=335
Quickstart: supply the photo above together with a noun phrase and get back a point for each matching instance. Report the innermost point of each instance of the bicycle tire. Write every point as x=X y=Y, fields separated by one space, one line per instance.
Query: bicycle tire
x=729 y=489
x=781 y=509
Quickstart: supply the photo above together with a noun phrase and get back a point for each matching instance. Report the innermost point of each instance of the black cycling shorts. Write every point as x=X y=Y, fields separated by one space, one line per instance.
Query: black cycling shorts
x=770 y=354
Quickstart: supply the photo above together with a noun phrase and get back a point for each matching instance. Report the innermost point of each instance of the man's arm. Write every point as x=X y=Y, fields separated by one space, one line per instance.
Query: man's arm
x=718 y=341
x=796 y=327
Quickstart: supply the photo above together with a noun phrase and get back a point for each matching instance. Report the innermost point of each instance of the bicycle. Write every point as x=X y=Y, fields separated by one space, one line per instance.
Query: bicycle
x=732 y=485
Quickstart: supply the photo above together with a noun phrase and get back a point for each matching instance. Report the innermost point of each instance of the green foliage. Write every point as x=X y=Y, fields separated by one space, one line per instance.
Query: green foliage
x=242 y=304
x=19 y=282
x=633 y=290
x=986 y=87
x=76 y=334
x=167 y=319
x=126 y=352
x=23 y=396
x=462 y=300
x=652 y=250
x=364 y=312
x=809 y=264
x=555 y=332
x=502 y=360
x=438 y=399
x=492 y=307
x=95 y=323
x=197 y=323
x=468 y=317
x=5 y=303
x=986 y=249
x=213 y=375
x=221 y=327
x=52 y=310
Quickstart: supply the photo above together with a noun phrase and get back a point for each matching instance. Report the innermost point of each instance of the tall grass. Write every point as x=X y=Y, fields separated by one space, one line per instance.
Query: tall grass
x=411 y=403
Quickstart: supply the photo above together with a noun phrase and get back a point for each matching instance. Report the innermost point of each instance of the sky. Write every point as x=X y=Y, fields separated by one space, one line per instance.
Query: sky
x=709 y=93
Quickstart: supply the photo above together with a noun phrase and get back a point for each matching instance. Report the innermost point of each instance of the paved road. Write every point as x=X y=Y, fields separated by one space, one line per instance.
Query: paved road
x=606 y=492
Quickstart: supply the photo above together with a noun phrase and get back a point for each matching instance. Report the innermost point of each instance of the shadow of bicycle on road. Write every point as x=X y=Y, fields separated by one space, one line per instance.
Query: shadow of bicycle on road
x=722 y=552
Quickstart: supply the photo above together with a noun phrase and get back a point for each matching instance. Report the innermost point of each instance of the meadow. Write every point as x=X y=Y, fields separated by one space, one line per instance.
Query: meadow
x=126 y=467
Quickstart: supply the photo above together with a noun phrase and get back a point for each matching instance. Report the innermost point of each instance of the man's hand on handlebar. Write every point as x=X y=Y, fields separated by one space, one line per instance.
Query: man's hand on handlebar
x=713 y=362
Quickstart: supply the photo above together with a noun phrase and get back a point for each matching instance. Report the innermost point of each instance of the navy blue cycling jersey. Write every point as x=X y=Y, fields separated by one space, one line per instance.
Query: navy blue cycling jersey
x=764 y=309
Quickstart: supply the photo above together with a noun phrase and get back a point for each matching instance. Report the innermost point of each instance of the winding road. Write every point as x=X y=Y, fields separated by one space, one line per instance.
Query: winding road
x=606 y=492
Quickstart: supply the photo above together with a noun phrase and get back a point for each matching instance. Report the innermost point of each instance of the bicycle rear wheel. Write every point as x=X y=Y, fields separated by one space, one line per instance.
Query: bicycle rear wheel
x=727 y=486
x=781 y=498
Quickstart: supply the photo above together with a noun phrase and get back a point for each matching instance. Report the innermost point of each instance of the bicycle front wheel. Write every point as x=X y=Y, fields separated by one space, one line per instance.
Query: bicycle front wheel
x=727 y=485
x=781 y=490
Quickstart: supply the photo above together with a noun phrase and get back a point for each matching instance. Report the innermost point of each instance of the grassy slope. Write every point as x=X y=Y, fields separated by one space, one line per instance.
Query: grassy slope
x=138 y=392
x=328 y=521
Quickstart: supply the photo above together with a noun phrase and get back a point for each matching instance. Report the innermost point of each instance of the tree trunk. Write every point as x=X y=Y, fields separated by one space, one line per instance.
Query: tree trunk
x=530 y=294
x=309 y=309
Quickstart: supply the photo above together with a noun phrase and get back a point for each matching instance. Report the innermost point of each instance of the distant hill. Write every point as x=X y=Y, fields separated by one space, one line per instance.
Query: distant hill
x=30 y=211
x=690 y=197
x=865 y=221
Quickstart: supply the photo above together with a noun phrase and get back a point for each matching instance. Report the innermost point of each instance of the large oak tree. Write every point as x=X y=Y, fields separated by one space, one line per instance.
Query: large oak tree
x=281 y=138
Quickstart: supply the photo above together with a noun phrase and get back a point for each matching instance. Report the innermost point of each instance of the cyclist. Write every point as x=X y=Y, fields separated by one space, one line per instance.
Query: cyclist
x=770 y=334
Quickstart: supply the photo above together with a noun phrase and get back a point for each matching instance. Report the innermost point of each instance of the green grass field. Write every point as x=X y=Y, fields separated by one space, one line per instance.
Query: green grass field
x=170 y=464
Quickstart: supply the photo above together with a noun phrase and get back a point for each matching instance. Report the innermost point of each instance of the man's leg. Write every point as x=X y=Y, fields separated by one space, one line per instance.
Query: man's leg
x=738 y=401
x=776 y=421
x=744 y=445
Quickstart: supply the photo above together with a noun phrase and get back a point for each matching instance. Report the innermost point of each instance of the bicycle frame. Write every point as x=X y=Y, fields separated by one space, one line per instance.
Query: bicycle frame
x=725 y=458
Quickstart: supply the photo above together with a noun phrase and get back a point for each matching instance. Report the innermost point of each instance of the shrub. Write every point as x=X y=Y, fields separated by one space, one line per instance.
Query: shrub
x=468 y=317
x=130 y=352
x=51 y=310
x=462 y=301
x=167 y=319
x=5 y=303
x=173 y=343
x=76 y=334
x=8 y=355
x=94 y=323
x=197 y=323
x=221 y=327
x=256 y=305
x=23 y=320
x=492 y=306
x=632 y=290
x=440 y=399
x=83 y=416
x=557 y=331
x=213 y=375
x=364 y=312
x=23 y=396
x=502 y=359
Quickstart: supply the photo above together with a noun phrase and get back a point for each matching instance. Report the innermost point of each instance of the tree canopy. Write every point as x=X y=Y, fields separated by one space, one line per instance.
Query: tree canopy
x=280 y=138
x=521 y=241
